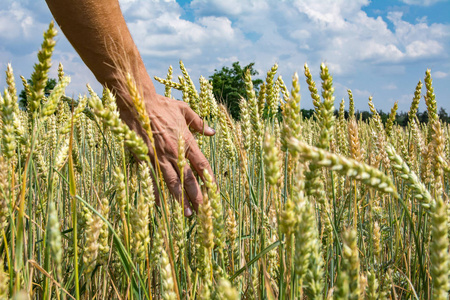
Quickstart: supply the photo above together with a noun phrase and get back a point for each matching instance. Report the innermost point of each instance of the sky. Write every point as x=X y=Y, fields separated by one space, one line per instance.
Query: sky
x=376 y=48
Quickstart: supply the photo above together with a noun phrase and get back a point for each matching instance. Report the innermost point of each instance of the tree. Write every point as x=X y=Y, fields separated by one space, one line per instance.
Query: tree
x=23 y=101
x=307 y=113
x=423 y=117
x=443 y=115
x=229 y=86
x=402 y=119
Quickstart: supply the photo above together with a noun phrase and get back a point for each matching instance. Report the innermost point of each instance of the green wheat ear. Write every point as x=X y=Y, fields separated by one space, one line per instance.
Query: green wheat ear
x=421 y=192
x=4 y=281
x=412 y=114
x=346 y=166
x=305 y=234
x=350 y=262
x=4 y=210
x=326 y=109
x=166 y=276
x=168 y=92
x=8 y=131
x=254 y=111
x=246 y=126
x=271 y=161
x=351 y=105
x=312 y=88
x=271 y=94
x=391 y=119
x=53 y=99
x=111 y=119
x=430 y=98
x=291 y=127
x=217 y=211
x=439 y=255
x=40 y=74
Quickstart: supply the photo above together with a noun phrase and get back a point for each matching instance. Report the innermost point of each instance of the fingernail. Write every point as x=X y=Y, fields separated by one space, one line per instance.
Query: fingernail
x=212 y=131
x=187 y=212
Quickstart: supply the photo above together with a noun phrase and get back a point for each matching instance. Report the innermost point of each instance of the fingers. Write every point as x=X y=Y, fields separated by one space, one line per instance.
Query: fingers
x=196 y=157
x=187 y=208
x=195 y=122
x=192 y=195
x=192 y=188
x=174 y=185
x=155 y=191
x=166 y=146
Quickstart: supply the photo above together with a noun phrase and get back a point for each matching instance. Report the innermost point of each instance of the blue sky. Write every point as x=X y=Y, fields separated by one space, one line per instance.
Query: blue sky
x=375 y=48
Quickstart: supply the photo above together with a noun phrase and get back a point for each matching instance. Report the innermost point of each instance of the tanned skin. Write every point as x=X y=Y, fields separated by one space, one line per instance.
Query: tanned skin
x=98 y=32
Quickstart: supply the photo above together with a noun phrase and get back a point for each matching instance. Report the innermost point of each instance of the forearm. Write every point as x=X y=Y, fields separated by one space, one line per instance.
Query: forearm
x=98 y=32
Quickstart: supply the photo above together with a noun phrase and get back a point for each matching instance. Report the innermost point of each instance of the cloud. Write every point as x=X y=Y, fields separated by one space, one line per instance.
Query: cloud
x=439 y=74
x=207 y=34
x=423 y=49
x=169 y=35
x=338 y=32
x=419 y=40
x=422 y=2
x=227 y=8
x=404 y=99
x=22 y=24
x=362 y=94
x=390 y=87
x=15 y=22
x=19 y=27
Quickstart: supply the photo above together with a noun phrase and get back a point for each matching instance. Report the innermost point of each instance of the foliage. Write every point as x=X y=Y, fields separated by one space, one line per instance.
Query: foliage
x=401 y=118
x=229 y=86
x=23 y=101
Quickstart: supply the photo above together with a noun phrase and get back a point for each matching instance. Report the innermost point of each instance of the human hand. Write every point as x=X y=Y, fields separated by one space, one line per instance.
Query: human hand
x=169 y=120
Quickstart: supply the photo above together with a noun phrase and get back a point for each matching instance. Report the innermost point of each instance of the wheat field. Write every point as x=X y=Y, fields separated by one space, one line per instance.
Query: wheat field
x=321 y=208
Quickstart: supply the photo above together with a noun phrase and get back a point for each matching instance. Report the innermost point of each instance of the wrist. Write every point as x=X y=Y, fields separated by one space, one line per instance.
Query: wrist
x=116 y=81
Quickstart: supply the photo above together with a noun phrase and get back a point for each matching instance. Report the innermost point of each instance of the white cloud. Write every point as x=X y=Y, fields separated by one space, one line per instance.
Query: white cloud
x=227 y=8
x=439 y=74
x=147 y=10
x=169 y=35
x=17 y=23
x=422 y=2
x=339 y=32
x=362 y=94
x=390 y=87
x=419 y=40
x=22 y=24
x=404 y=99
x=423 y=49
x=213 y=33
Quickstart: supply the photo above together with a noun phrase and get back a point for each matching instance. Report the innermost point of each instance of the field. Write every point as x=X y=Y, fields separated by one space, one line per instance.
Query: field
x=321 y=208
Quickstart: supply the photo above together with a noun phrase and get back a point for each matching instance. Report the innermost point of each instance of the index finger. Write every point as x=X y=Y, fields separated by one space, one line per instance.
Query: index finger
x=197 y=158
x=195 y=122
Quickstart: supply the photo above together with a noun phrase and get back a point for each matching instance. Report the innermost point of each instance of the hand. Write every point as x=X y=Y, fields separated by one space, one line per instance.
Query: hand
x=169 y=119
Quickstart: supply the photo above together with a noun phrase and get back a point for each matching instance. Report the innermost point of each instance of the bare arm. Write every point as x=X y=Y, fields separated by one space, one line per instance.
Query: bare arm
x=94 y=28
x=98 y=32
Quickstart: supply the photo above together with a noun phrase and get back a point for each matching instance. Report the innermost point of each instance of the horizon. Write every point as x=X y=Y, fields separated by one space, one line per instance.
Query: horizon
x=379 y=48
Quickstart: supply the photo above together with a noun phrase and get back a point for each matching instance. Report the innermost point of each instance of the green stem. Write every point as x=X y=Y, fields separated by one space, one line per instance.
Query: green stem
x=73 y=194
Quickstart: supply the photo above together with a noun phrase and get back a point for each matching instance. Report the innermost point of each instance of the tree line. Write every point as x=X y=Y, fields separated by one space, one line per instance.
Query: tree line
x=229 y=88
x=401 y=118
